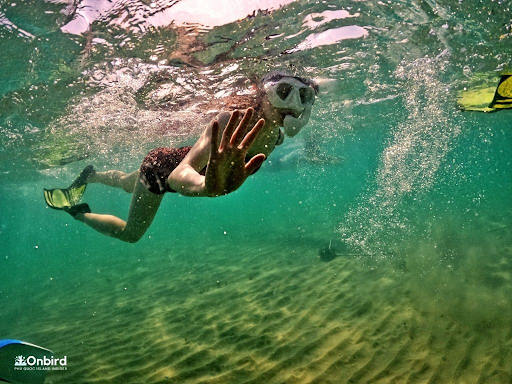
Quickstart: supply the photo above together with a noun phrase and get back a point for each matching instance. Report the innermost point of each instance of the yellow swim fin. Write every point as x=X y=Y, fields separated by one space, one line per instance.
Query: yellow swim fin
x=68 y=199
x=62 y=198
x=503 y=96
x=488 y=98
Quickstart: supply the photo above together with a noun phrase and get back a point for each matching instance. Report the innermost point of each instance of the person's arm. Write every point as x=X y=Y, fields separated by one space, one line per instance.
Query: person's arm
x=223 y=146
x=185 y=178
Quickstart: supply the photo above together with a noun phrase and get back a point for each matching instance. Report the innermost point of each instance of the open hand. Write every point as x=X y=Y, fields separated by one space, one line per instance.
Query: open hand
x=227 y=169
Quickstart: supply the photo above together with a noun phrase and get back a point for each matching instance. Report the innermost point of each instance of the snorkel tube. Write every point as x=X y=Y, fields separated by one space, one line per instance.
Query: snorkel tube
x=292 y=125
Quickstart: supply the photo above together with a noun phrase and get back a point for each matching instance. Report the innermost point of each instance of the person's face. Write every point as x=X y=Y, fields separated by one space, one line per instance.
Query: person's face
x=287 y=97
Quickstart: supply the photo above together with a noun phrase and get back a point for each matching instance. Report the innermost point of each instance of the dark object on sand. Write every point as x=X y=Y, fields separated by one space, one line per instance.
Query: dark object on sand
x=327 y=254
x=330 y=252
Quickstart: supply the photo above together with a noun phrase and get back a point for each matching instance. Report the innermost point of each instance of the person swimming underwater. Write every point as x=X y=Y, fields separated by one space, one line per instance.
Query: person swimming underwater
x=232 y=147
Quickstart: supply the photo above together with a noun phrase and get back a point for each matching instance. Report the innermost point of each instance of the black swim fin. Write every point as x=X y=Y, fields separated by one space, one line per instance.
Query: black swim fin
x=68 y=199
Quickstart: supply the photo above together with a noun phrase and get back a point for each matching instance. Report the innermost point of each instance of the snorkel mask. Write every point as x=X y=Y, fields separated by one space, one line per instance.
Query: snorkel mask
x=294 y=96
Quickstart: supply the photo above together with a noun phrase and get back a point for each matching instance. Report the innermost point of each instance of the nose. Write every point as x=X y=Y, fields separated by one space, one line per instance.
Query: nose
x=294 y=100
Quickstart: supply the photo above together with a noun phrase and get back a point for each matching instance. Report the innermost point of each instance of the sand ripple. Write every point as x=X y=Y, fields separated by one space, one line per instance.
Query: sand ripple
x=272 y=316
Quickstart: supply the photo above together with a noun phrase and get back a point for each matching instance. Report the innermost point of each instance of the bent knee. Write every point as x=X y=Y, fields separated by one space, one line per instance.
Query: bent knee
x=128 y=181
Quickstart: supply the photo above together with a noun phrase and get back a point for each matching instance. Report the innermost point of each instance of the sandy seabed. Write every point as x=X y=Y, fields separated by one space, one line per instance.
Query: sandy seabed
x=272 y=313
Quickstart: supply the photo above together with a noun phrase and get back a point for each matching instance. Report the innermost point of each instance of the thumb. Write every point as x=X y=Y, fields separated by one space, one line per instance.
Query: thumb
x=255 y=162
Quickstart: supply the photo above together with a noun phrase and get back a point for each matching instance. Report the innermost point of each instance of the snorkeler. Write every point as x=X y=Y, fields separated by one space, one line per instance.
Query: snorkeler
x=232 y=147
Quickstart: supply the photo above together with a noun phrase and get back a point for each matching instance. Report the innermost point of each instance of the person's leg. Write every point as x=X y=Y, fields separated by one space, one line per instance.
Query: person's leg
x=143 y=209
x=117 y=179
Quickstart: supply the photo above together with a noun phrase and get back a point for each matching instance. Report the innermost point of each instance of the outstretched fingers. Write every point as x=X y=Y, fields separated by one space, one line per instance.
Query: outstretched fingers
x=242 y=128
x=252 y=134
x=229 y=129
x=255 y=162
x=214 y=140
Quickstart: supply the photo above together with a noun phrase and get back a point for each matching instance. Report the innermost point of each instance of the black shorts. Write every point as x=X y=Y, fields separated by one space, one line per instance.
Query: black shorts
x=158 y=165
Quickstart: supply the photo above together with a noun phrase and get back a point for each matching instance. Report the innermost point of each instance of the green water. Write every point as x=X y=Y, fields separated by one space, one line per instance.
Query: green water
x=419 y=190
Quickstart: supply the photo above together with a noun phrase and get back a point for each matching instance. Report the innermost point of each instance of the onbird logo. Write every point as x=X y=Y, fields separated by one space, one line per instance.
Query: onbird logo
x=20 y=361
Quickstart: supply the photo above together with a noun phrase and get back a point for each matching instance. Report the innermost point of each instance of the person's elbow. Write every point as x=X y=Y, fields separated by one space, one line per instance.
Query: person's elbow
x=187 y=182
